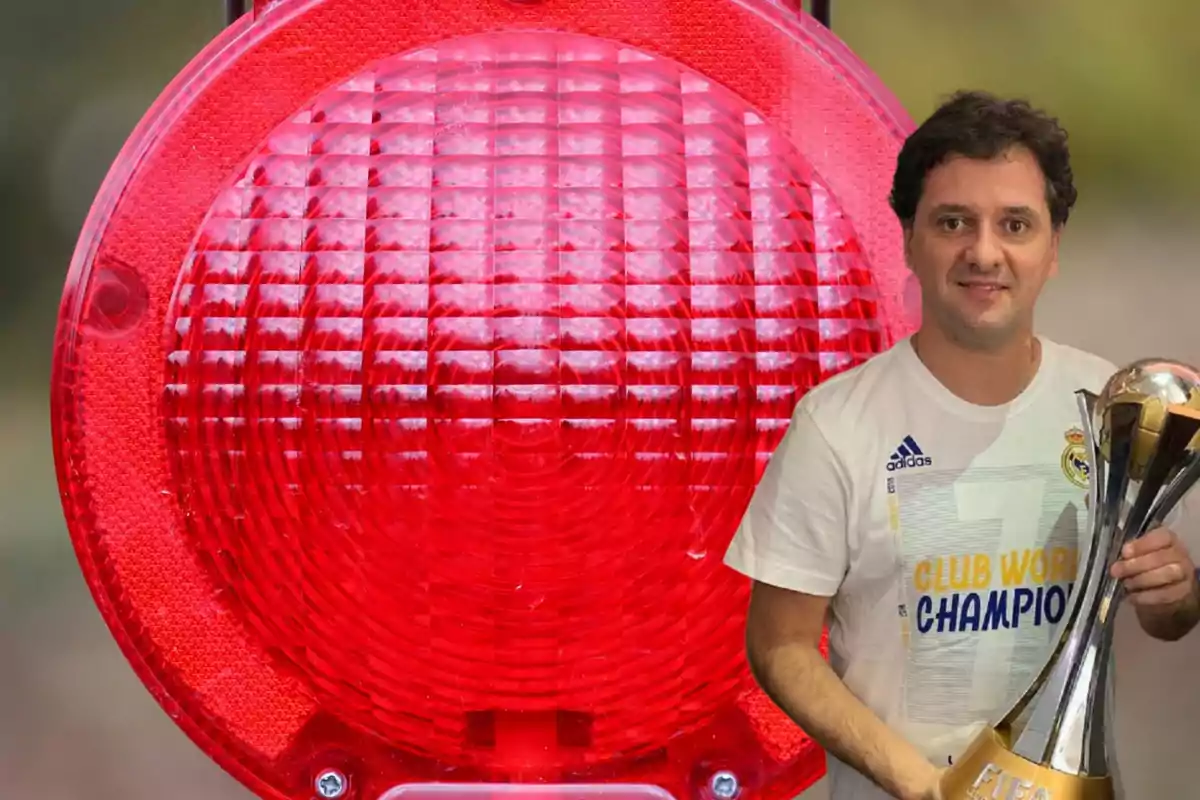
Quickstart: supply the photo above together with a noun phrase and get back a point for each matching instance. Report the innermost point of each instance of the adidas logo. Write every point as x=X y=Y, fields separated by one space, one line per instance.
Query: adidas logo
x=908 y=454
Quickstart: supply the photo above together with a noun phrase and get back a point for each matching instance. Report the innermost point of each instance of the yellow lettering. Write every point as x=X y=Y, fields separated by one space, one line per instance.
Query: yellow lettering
x=940 y=584
x=1013 y=567
x=983 y=571
x=1059 y=570
x=1037 y=566
x=960 y=572
x=921 y=577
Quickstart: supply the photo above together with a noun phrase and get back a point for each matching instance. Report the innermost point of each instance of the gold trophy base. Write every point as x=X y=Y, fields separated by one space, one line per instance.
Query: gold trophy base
x=988 y=769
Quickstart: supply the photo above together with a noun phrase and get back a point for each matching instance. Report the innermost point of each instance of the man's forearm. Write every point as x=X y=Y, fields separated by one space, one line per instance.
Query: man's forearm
x=800 y=682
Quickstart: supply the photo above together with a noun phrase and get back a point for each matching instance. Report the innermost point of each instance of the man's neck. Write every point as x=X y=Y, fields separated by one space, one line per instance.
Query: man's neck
x=989 y=377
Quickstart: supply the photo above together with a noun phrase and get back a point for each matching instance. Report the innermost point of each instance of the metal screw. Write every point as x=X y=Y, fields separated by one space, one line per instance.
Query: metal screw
x=724 y=785
x=331 y=784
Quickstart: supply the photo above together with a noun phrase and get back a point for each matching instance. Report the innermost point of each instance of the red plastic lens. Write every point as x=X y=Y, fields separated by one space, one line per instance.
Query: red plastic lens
x=407 y=393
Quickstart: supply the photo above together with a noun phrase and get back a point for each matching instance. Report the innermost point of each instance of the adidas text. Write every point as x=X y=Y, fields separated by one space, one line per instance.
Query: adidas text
x=909 y=461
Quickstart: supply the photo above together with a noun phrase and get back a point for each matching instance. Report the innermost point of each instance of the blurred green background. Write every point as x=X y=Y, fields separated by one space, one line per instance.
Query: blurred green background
x=75 y=723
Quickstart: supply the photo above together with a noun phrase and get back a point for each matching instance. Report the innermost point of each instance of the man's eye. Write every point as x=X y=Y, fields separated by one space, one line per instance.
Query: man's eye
x=1016 y=226
x=951 y=224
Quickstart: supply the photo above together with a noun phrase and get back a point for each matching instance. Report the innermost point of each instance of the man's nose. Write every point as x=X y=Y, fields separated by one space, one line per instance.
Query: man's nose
x=984 y=250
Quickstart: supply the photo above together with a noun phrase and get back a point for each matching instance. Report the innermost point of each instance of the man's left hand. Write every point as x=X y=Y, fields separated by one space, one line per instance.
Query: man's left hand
x=1158 y=573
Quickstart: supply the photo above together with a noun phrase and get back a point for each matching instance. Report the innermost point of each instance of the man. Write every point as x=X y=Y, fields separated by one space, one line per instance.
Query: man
x=931 y=500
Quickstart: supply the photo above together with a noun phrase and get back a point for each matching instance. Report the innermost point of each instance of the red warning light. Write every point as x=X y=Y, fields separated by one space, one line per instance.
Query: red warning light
x=418 y=361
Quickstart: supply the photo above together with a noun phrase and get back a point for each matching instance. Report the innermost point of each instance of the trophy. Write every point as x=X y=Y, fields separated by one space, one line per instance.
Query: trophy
x=1055 y=743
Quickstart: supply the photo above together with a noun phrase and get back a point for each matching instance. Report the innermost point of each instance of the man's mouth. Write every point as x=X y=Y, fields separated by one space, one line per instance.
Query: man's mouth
x=982 y=286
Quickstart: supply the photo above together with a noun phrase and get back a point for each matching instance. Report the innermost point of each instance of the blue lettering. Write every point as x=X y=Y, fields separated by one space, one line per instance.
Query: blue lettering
x=924 y=610
x=970 y=613
x=997 y=611
x=1056 y=604
x=1022 y=602
x=947 y=616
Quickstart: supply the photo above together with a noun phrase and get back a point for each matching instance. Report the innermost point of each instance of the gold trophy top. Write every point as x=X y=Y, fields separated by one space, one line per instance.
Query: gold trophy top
x=1159 y=387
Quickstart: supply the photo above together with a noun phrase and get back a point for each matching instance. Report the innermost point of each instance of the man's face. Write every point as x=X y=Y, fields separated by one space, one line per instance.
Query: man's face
x=982 y=246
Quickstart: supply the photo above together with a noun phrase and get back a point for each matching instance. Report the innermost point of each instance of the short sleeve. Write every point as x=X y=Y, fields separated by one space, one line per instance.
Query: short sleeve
x=794 y=532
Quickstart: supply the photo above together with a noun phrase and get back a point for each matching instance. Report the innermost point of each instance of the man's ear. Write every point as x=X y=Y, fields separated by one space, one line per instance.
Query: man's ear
x=1055 y=238
x=907 y=229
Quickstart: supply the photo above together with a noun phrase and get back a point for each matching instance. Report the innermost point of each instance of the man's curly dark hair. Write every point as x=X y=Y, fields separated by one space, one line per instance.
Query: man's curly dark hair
x=980 y=125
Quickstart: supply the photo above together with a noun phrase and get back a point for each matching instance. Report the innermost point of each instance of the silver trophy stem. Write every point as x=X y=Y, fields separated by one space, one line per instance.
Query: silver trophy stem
x=1156 y=501
x=1187 y=477
x=1055 y=732
x=1051 y=683
x=1067 y=719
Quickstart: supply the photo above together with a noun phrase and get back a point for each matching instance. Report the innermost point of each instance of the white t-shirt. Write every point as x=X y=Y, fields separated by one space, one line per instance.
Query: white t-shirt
x=947 y=534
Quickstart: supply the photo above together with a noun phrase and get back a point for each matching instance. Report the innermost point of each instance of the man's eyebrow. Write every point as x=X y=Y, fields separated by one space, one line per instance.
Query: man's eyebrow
x=958 y=208
x=952 y=208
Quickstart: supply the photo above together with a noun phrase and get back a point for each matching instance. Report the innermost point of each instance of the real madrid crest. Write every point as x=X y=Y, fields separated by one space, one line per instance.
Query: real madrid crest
x=1074 y=458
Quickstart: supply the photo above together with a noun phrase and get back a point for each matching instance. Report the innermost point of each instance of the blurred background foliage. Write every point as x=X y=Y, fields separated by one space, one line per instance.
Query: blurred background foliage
x=79 y=73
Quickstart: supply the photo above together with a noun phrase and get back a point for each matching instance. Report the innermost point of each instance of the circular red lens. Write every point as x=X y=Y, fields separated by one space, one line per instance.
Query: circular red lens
x=402 y=432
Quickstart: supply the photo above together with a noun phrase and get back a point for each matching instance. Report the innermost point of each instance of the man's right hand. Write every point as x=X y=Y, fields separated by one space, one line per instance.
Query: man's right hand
x=925 y=785
x=934 y=792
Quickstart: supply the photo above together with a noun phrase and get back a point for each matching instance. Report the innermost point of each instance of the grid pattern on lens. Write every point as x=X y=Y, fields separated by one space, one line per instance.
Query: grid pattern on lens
x=479 y=360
